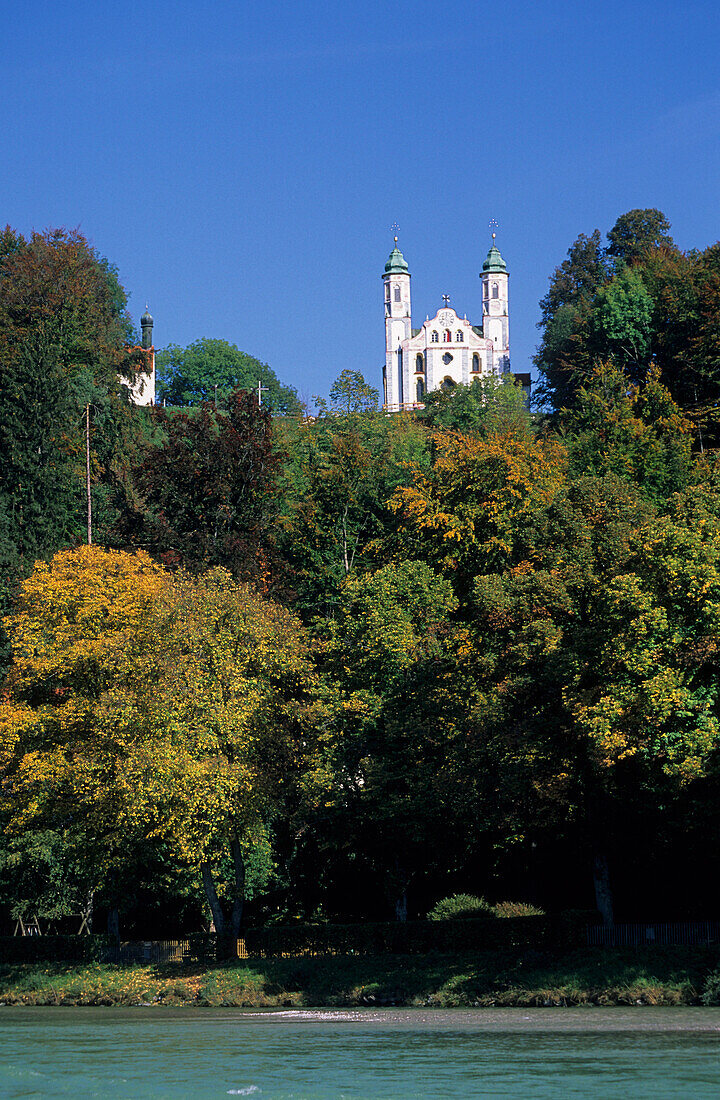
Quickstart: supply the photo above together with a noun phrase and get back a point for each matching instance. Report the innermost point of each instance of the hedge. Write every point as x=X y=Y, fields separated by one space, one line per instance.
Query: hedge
x=419 y=937
x=450 y=937
x=52 y=948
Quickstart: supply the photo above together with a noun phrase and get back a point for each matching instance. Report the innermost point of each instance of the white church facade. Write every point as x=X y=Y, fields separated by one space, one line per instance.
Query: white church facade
x=447 y=349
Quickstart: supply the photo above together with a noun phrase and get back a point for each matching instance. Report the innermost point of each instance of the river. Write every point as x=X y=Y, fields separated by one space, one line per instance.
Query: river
x=383 y=1054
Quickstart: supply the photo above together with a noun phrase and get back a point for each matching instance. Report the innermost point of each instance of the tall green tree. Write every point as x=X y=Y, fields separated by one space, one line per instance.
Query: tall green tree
x=573 y=286
x=64 y=329
x=350 y=393
x=600 y=305
x=636 y=233
x=341 y=472
x=211 y=370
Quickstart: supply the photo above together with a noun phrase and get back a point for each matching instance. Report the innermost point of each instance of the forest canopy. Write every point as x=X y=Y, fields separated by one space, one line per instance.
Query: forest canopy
x=340 y=667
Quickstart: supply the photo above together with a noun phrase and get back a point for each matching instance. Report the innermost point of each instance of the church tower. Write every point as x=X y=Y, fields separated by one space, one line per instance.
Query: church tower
x=398 y=321
x=142 y=390
x=494 y=278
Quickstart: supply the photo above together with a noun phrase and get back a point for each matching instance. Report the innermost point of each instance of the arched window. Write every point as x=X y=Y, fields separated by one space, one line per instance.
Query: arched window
x=476 y=364
x=419 y=364
x=397 y=294
x=387 y=292
x=435 y=338
x=459 y=336
x=495 y=290
x=447 y=385
x=419 y=389
x=448 y=336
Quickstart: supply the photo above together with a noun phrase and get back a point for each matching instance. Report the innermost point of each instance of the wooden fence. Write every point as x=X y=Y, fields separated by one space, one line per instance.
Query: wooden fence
x=683 y=933
x=202 y=949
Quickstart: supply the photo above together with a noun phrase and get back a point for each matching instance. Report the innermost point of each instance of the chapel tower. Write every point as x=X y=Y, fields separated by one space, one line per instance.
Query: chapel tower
x=496 y=324
x=398 y=322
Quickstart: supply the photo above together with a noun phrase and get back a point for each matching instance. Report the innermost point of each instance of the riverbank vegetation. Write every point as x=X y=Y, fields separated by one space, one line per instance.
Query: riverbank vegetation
x=652 y=976
x=338 y=667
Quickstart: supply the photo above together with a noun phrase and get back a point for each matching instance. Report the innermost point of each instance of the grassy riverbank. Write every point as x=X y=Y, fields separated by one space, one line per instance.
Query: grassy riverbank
x=651 y=976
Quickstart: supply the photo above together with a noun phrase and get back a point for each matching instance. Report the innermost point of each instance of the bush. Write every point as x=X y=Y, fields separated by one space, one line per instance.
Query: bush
x=411 y=937
x=460 y=907
x=711 y=992
x=517 y=909
x=53 y=948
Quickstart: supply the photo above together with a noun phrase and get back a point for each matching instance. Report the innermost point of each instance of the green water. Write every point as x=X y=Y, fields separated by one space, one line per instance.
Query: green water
x=389 y=1054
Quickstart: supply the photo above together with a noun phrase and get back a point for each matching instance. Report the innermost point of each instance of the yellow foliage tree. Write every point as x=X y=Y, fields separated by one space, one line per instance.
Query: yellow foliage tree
x=144 y=708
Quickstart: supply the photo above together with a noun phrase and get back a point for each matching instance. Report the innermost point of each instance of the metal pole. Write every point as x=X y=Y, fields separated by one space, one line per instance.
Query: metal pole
x=87 y=474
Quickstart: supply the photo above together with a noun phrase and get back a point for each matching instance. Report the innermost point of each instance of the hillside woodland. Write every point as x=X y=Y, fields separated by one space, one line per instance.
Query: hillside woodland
x=340 y=666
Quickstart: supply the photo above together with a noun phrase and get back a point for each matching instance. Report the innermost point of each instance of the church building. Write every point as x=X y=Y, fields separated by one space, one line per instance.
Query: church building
x=448 y=349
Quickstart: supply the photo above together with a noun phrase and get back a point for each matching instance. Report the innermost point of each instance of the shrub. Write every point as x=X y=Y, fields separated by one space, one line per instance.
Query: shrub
x=52 y=948
x=460 y=907
x=517 y=909
x=711 y=993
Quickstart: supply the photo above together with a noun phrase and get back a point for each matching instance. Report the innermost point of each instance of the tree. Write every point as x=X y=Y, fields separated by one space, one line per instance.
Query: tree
x=386 y=802
x=637 y=433
x=210 y=370
x=210 y=489
x=487 y=406
x=145 y=712
x=341 y=473
x=622 y=324
x=600 y=305
x=636 y=232
x=63 y=328
x=350 y=393
x=573 y=286
x=477 y=509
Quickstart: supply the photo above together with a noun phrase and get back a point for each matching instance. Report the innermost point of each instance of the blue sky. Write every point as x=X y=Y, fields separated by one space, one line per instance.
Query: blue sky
x=242 y=163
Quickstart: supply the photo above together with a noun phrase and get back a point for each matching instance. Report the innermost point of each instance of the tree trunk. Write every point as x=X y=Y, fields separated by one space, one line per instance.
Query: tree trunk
x=603 y=891
x=397 y=885
x=213 y=899
x=598 y=813
x=239 y=899
x=227 y=931
x=113 y=922
x=86 y=915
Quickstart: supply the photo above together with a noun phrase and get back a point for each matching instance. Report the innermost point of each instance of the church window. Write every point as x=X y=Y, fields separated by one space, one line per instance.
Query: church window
x=419 y=364
x=447 y=358
x=397 y=294
x=476 y=364
x=447 y=385
x=387 y=291
x=420 y=389
x=459 y=337
x=495 y=290
x=448 y=336
x=435 y=338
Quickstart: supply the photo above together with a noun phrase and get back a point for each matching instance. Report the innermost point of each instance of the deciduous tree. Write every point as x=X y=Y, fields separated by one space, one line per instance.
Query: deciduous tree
x=145 y=711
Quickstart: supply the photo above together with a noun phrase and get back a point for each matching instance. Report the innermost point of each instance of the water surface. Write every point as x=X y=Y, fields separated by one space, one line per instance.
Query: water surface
x=383 y=1054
